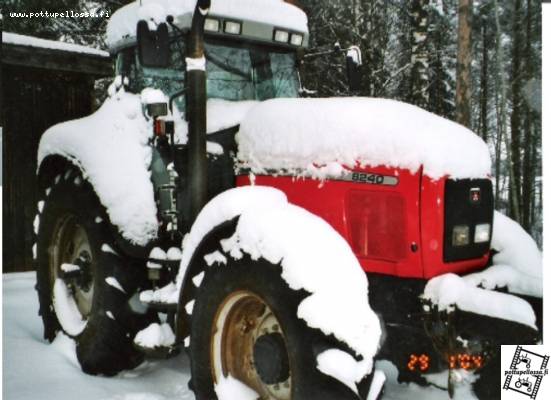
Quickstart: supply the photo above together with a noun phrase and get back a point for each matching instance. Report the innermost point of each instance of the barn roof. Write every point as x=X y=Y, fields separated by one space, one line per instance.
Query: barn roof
x=40 y=53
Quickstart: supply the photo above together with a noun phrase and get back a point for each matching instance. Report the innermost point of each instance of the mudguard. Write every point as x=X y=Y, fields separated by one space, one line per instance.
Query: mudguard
x=110 y=147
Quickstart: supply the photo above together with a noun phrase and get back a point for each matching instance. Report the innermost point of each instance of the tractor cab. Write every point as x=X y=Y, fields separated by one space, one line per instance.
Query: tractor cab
x=247 y=57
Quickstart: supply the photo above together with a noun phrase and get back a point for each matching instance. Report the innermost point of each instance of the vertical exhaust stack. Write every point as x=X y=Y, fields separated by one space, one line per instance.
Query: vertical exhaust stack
x=196 y=168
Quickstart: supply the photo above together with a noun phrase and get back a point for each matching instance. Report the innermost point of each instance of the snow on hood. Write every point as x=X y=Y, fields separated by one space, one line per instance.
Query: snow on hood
x=122 y=23
x=292 y=135
x=111 y=148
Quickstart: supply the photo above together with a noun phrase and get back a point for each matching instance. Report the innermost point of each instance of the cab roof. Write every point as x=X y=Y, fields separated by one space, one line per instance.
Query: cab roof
x=259 y=18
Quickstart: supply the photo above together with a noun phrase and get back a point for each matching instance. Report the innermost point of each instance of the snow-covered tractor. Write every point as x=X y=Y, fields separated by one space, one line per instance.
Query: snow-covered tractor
x=206 y=205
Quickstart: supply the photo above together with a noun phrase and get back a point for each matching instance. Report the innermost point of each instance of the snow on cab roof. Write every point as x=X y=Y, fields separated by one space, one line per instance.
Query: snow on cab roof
x=317 y=135
x=278 y=13
x=30 y=41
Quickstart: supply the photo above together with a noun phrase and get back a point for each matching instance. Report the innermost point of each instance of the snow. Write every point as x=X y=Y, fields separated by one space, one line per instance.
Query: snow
x=308 y=255
x=230 y=388
x=518 y=265
x=408 y=391
x=377 y=384
x=112 y=281
x=38 y=370
x=66 y=309
x=24 y=350
x=155 y=335
x=215 y=257
x=152 y=96
x=174 y=254
x=23 y=40
x=66 y=267
x=111 y=149
x=166 y=294
x=221 y=114
x=297 y=135
x=506 y=276
x=516 y=247
x=156 y=253
x=122 y=24
x=449 y=290
x=341 y=366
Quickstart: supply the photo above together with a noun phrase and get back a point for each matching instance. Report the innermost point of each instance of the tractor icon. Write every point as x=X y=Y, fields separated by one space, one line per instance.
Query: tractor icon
x=523 y=359
x=524 y=383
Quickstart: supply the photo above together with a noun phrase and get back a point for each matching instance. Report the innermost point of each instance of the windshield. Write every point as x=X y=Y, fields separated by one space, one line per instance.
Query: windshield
x=250 y=73
x=235 y=72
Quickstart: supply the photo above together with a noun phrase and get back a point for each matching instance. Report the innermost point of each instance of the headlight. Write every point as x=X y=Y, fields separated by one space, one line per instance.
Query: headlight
x=482 y=233
x=212 y=25
x=281 y=36
x=460 y=236
x=233 y=28
x=296 y=39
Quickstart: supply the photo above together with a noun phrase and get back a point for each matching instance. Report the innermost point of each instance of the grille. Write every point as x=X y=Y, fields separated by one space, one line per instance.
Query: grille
x=377 y=224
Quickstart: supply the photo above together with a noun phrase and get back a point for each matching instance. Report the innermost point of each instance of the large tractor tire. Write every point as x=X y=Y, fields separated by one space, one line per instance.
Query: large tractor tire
x=85 y=288
x=245 y=325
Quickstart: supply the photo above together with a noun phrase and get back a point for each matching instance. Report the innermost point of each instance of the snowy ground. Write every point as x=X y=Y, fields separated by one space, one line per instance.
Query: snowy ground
x=33 y=369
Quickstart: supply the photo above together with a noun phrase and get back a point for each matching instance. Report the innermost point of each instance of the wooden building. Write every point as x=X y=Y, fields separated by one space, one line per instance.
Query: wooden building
x=42 y=82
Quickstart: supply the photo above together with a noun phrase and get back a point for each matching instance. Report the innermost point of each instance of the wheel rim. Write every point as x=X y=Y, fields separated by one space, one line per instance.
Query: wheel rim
x=71 y=245
x=245 y=332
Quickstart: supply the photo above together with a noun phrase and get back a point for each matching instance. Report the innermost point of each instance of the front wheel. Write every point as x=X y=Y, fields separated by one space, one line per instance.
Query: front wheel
x=245 y=328
x=85 y=287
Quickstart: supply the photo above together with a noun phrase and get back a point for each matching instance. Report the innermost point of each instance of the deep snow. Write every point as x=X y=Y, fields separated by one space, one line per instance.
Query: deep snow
x=35 y=370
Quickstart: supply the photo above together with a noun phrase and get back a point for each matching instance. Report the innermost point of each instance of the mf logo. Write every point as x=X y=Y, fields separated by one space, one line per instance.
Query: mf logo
x=525 y=372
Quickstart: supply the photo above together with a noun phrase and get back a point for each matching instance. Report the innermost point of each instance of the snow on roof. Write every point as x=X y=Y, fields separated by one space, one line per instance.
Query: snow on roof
x=30 y=41
x=292 y=135
x=122 y=23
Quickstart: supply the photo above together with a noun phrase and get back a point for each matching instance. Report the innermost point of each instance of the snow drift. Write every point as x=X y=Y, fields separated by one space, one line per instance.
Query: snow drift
x=517 y=268
x=294 y=135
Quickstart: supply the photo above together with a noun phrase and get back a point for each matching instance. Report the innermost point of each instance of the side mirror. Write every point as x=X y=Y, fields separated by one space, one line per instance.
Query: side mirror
x=353 y=64
x=153 y=47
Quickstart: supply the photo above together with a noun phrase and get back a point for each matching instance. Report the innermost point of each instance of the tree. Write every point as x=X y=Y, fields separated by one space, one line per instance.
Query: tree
x=419 y=92
x=463 y=88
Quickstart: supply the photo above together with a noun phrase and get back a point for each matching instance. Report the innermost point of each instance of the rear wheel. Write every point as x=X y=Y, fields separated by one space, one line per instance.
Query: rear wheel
x=85 y=288
x=245 y=327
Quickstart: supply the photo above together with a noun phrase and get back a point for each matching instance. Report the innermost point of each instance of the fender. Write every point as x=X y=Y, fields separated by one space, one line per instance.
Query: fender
x=210 y=243
x=55 y=165
x=111 y=149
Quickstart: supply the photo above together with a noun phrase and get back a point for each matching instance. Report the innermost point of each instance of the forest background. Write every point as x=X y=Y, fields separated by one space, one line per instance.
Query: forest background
x=475 y=62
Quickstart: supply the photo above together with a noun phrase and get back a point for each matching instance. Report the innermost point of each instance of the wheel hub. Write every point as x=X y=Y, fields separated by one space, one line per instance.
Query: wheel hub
x=249 y=344
x=270 y=358
x=71 y=245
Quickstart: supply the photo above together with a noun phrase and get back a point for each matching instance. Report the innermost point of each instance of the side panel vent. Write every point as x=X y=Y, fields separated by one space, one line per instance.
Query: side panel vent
x=377 y=224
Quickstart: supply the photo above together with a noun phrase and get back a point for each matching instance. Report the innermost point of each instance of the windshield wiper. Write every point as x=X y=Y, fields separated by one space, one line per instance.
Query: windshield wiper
x=225 y=66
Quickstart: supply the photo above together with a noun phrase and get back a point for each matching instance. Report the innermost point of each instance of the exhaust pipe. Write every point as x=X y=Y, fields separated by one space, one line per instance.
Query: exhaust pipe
x=196 y=166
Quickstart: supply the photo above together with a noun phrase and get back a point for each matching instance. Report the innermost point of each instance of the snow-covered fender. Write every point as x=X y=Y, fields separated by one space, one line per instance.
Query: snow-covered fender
x=111 y=149
x=217 y=221
x=313 y=257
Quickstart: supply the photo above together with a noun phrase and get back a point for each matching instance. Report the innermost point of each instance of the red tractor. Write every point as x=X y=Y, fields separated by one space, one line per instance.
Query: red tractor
x=158 y=205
